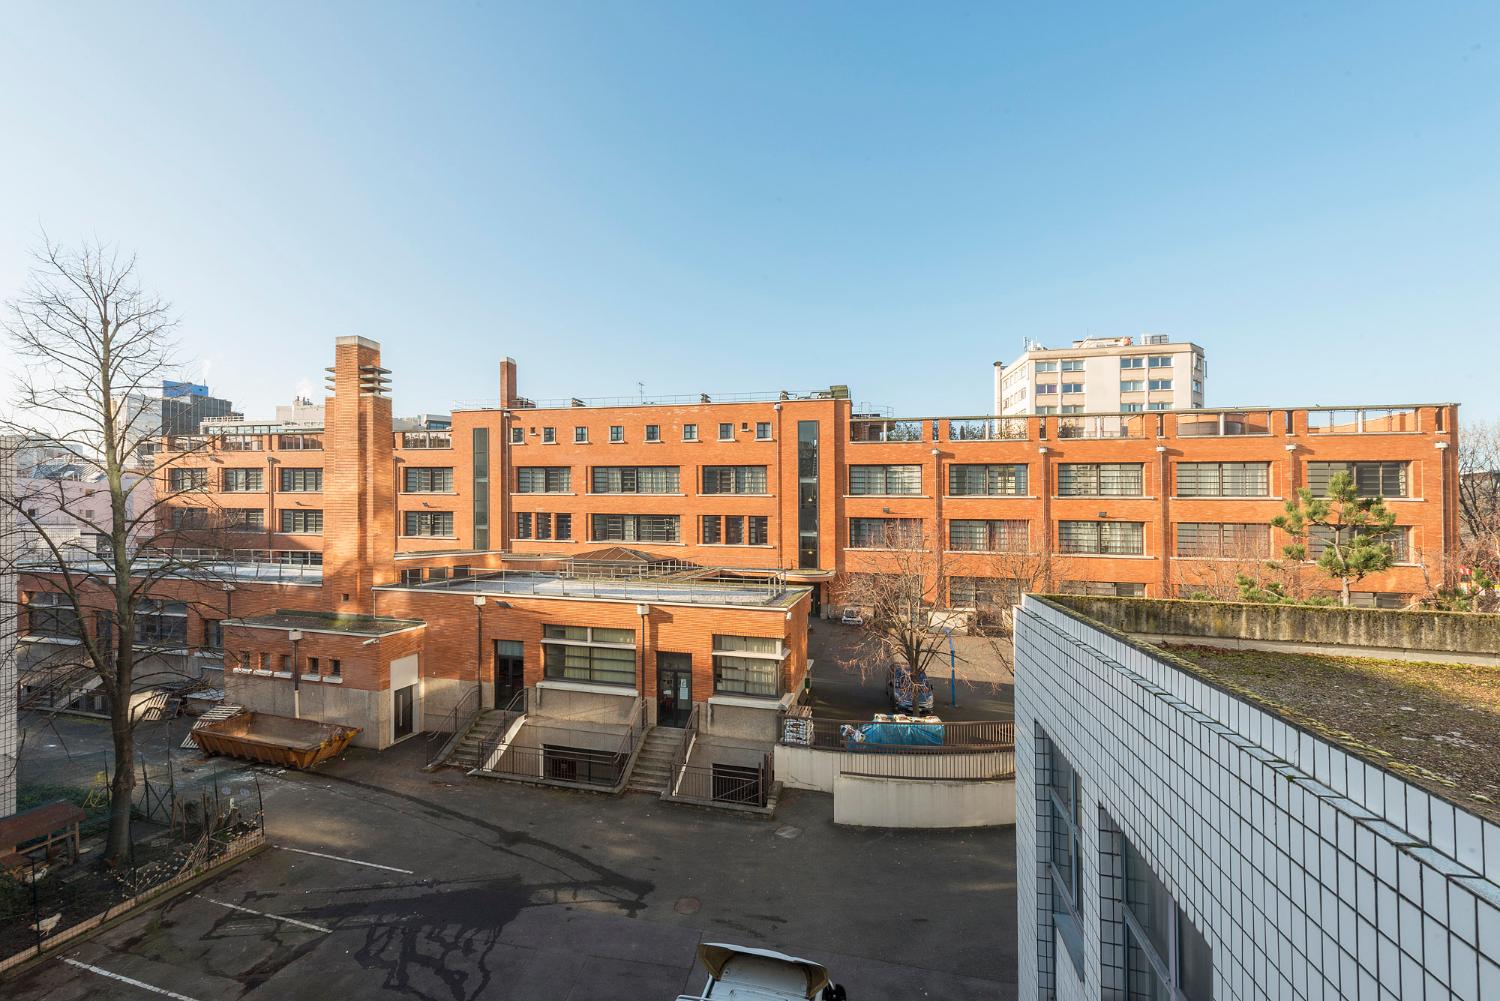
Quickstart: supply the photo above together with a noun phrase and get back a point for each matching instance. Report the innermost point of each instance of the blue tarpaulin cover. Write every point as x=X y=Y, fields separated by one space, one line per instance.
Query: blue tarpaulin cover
x=895 y=733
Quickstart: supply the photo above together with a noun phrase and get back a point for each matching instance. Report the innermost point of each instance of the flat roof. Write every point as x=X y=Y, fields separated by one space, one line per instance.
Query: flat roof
x=207 y=572
x=749 y=593
x=1437 y=725
x=328 y=622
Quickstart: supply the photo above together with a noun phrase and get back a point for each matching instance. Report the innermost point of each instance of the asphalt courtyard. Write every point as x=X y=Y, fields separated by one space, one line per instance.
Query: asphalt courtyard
x=387 y=882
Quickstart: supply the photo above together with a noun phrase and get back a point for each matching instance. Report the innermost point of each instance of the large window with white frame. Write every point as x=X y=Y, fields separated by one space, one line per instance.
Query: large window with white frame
x=734 y=480
x=992 y=480
x=1223 y=479
x=1166 y=956
x=1100 y=479
x=636 y=528
x=635 y=480
x=428 y=524
x=1102 y=538
x=885 y=533
x=1224 y=540
x=544 y=479
x=590 y=654
x=1062 y=849
x=427 y=479
x=1371 y=479
x=987 y=536
x=748 y=665
x=294 y=480
x=239 y=481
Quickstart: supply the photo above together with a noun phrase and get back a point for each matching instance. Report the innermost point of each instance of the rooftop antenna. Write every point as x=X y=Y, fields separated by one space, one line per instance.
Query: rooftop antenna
x=642 y=387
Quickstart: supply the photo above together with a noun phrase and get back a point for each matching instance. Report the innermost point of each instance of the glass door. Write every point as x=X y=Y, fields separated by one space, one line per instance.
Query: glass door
x=674 y=688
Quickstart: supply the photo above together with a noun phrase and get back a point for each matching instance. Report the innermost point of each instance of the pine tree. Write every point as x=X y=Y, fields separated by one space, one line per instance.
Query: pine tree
x=1356 y=531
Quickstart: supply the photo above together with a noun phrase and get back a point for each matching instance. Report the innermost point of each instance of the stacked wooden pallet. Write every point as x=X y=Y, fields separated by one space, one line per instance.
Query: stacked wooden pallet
x=212 y=716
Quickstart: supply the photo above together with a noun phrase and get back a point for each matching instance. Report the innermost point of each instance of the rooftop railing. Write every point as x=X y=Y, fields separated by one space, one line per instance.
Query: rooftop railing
x=1223 y=423
x=987 y=429
x=1369 y=420
x=1103 y=426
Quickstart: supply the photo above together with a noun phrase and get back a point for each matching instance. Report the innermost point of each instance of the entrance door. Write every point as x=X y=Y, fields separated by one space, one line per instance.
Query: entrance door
x=510 y=671
x=674 y=688
x=405 y=700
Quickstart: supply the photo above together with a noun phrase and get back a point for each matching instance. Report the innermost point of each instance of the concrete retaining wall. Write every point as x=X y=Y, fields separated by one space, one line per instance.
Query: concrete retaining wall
x=1459 y=637
x=324 y=702
x=806 y=768
x=867 y=801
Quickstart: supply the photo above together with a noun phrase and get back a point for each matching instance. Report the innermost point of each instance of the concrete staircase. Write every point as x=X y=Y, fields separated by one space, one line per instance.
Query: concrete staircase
x=486 y=729
x=653 y=765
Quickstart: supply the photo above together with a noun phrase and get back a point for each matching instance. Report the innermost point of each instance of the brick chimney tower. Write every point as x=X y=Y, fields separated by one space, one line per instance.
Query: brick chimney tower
x=507 y=383
x=359 y=503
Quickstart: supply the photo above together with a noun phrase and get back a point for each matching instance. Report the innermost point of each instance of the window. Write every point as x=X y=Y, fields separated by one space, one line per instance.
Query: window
x=1043 y=411
x=1103 y=589
x=734 y=479
x=1046 y=388
x=690 y=432
x=243 y=480
x=244 y=519
x=1072 y=387
x=1160 y=361
x=1062 y=848
x=580 y=435
x=1378 y=599
x=195 y=479
x=1225 y=541
x=301 y=480
x=429 y=524
x=1156 y=384
x=1131 y=408
x=726 y=432
x=989 y=536
x=300 y=442
x=49 y=613
x=518 y=436
x=807 y=493
x=987 y=480
x=1093 y=479
x=885 y=533
x=1320 y=537
x=1371 y=479
x=562 y=526
x=411 y=578
x=544 y=479
x=762 y=430
x=1133 y=386
x=616 y=433
x=312 y=665
x=429 y=479
x=735 y=530
x=595 y=655
x=1223 y=479
x=712 y=530
x=161 y=623
x=335 y=668
x=298 y=522
x=653 y=432
x=241 y=443
x=1197 y=388
x=885 y=480
x=636 y=528
x=760 y=530
x=549 y=436
x=747 y=665
x=523 y=525
x=1104 y=538
x=982 y=592
x=1073 y=365
x=479 y=487
x=1159 y=406
x=1166 y=957
x=635 y=480
x=543 y=525
x=1046 y=366
x=185 y=518
x=1133 y=361
x=1072 y=409
x=213 y=634
x=435 y=439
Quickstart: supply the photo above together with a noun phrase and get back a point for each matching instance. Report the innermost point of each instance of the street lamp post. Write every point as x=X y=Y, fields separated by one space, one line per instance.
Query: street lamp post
x=296 y=637
x=478 y=651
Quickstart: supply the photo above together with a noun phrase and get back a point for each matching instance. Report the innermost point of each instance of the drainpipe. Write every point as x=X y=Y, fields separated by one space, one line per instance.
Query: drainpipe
x=780 y=492
x=644 y=611
x=479 y=652
x=1162 y=541
x=295 y=636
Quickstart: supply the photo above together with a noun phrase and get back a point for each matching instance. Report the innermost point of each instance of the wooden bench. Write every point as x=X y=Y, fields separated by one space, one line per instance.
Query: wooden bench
x=42 y=828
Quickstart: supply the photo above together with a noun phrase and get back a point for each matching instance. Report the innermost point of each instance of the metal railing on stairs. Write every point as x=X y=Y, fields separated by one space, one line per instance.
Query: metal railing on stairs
x=442 y=742
x=512 y=712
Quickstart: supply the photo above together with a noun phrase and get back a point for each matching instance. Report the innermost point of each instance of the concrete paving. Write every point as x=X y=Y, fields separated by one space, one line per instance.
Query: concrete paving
x=491 y=890
x=847 y=685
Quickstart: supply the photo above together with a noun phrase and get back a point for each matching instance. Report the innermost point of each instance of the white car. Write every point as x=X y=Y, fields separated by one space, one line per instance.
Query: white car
x=737 y=972
x=852 y=617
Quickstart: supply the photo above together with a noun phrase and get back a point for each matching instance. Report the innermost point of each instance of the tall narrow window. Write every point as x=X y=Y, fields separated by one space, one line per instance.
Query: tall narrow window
x=481 y=487
x=807 y=494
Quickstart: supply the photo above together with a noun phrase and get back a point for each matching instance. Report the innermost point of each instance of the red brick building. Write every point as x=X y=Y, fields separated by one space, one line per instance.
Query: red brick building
x=723 y=524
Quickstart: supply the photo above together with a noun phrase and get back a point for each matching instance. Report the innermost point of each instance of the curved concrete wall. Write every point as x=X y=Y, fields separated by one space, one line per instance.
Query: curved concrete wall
x=879 y=801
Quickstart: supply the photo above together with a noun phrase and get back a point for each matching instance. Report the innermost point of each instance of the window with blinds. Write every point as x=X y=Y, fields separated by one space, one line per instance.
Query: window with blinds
x=636 y=480
x=428 y=479
x=987 y=480
x=636 y=528
x=1371 y=479
x=885 y=480
x=543 y=479
x=1223 y=479
x=1094 y=479
x=1223 y=540
x=988 y=536
x=885 y=533
x=734 y=479
x=1103 y=538
x=238 y=481
x=1320 y=537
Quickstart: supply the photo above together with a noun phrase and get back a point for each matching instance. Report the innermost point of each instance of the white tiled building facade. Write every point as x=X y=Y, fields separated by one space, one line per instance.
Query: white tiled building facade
x=9 y=738
x=1265 y=862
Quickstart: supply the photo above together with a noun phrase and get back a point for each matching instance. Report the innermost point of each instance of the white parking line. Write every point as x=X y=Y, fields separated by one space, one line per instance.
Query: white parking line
x=127 y=980
x=263 y=914
x=351 y=861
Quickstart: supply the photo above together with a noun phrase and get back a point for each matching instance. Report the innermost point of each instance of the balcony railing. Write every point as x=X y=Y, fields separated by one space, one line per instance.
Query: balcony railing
x=885 y=431
x=426 y=439
x=1370 y=420
x=1104 y=426
x=987 y=429
x=1223 y=424
x=721 y=785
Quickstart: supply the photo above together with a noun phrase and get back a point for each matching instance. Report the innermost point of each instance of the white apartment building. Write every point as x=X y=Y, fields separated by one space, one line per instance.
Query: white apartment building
x=1179 y=837
x=1100 y=375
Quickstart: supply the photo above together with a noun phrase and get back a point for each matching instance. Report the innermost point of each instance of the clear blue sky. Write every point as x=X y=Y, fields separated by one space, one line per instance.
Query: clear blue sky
x=722 y=197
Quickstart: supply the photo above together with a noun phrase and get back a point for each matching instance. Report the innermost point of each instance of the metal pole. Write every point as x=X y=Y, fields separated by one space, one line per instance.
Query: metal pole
x=952 y=672
x=295 y=636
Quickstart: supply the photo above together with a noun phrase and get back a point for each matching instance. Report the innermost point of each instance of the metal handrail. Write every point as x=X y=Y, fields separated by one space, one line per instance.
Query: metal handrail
x=513 y=710
x=684 y=746
x=465 y=711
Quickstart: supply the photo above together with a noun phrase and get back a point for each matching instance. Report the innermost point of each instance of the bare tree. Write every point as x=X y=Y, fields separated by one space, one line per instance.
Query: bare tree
x=89 y=342
x=1479 y=494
